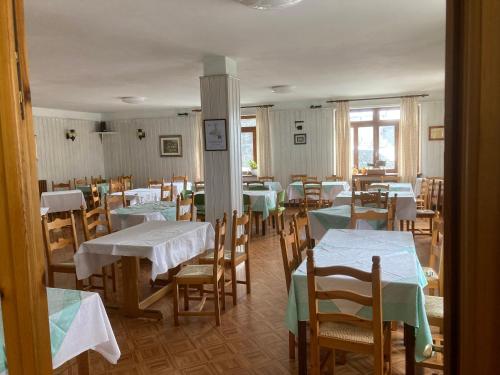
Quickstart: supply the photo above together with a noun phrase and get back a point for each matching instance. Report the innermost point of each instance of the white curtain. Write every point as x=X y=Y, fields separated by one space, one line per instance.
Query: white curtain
x=264 y=156
x=343 y=141
x=408 y=140
x=199 y=150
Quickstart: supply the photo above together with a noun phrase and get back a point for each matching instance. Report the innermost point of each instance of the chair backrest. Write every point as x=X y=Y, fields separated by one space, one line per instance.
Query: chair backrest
x=240 y=236
x=280 y=199
x=378 y=186
x=312 y=192
x=372 y=215
x=377 y=199
x=290 y=254
x=316 y=295
x=96 y=180
x=356 y=184
x=436 y=253
x=220 y=240
x=300 y=222
x=95 y=199
x=182 y=179
x=266 y=178
x=199 y=199
x=127 y=182
x=98 y=218
x=298 y=177
x=312 y=178
x=199 y=186
x=333 y=177
x=61 y=185
x=112 y=202
x=80 y=181
x=167 y=192
x=424 y=193
x=189 y=215
x=115 y=185
x=155 y=183
x=59 y=234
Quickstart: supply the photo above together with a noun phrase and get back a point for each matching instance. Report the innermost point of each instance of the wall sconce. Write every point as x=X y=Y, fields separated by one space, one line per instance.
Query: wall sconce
x=71 y=134
x=298 y=125
x=141 y=134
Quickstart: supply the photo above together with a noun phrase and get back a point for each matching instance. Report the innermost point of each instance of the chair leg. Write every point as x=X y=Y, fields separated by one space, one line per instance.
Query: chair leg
x=186 y=297
x=217 y=303
x=282 y=221
x=257 y=223
x=176 y=303
x=105 y=282
x=223 y=292
x=234 y=285
x=291 y=345
x=247 y=274
x=263 y=226
x=334 y=359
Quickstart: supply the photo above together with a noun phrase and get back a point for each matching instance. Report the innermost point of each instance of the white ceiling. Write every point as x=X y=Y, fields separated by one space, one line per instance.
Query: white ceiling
x=84 y=54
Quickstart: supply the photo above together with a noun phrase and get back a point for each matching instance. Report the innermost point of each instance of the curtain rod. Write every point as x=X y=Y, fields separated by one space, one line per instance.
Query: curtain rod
x=378 y=98
x=246 y=106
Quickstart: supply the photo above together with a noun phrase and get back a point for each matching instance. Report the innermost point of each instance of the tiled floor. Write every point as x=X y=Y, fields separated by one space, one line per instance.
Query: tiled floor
x=251 y=340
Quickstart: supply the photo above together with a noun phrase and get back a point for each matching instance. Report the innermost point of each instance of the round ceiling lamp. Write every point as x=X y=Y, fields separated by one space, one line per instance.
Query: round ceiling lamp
x=282 y=89
x=133 y=99
x=269 y=4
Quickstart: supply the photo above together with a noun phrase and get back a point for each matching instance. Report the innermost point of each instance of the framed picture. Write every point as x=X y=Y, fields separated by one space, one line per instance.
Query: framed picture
x=215 y=132
x=170 y=145
x=436 y=133
x=300 y=139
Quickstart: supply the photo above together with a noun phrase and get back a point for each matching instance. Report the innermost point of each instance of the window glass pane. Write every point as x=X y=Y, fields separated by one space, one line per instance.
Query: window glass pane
x=389 y=114
x=365 y=146
x=361 y=116
x=246 y=150
x=387 y=145
x=248 y=122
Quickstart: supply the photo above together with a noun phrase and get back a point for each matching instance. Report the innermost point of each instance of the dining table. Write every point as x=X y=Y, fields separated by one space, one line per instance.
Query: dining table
x=329 y=190
x=167 y=244
x=77 y=323
x=270 y=185
x=125 y=217
x=141 y=195
x=63 y=200
x=396 y=186
x=403 y=283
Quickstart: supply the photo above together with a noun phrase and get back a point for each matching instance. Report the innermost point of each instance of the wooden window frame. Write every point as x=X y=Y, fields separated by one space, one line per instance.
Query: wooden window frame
x=375 y=123
x=253 y=130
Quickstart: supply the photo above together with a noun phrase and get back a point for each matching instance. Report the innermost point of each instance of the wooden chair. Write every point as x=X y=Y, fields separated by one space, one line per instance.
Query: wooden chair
x=199 y=203
x=199 y=186
x=201 y=275
x=239 y=253
x=97 y=223
x=386 y=216
x=60 y=234
x=266 y=178
x=376 y=199
x=189 y=215
x=435 y=256
x=298 y=177
x=80 y=182
x=333 y=178
x=356 y=184
x=95 y=198
x=96 y=180
x=301 y=229
x=61 y=185
x=342 y=331
x=115 y=185
x=182 y=179
x=312 y=194
x=112 y=202
x=312 y=178
x=291 y=260
x=433 y=202
x=278 y=212
x=423 y=196
x=167 y=192
x=155 y=183
x=127 y=182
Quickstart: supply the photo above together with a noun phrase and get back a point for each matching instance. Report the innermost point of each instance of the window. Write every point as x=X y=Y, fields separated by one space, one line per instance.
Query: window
x=374 y=135
x=248 y=142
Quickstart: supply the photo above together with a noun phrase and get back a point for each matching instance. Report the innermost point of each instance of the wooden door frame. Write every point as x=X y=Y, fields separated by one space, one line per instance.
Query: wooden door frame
x=22 y=262
x=472 y=178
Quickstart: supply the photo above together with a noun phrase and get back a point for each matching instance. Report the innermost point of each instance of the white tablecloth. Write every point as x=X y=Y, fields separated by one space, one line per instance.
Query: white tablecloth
x=44 y=211
x=63 y=200
x=166 y=243
x=330 y=189
x=271 y=185
x=143 y=195
x=406 y=206
x=262 y=201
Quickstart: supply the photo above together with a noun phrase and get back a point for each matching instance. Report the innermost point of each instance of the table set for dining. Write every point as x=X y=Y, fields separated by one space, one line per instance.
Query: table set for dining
x=329 y=190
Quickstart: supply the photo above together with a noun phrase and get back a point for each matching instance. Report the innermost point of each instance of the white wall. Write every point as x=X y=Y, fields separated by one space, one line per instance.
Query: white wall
x=125 y=154
x=432 y=114
x=60 y=159
x=316 y=158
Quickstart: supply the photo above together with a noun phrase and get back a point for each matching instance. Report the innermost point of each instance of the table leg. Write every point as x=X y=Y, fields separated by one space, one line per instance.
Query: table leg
x=83 y=363
x=302 y=347
x=131 y=304
x=409 y=340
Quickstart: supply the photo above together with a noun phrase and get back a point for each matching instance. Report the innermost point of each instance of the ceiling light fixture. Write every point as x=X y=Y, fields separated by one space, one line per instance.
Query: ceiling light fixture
x=133 y=99
x=282 y=89
x=269 y=4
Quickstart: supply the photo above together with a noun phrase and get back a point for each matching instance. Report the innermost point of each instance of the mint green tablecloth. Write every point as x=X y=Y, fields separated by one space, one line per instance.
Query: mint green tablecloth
x=402 y=279
x=102 y=188
x=330 y=189
x=167 y=209
x=262 y=201
x=63 y=306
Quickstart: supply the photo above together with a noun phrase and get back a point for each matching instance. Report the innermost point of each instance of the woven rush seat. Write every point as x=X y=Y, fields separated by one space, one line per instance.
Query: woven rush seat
x=346 y=332
x=196 y=270
x=209 y=255
x=434 y=307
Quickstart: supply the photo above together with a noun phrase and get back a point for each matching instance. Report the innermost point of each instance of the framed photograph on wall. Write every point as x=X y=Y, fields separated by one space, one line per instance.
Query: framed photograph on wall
x=215 y=134
x=300 y=139
x=170 y=145
x=436 y=133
